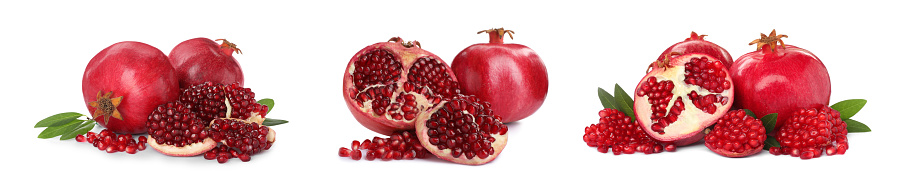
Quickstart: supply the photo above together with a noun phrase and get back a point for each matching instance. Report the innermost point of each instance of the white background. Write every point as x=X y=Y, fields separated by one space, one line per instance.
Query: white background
x=296 y=52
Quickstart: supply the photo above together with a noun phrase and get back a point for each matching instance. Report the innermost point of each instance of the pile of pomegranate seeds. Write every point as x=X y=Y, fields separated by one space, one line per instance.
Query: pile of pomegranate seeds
x=109 y=142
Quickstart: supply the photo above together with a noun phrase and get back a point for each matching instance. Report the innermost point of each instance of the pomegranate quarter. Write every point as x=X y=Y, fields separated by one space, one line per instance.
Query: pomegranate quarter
x=681 y=96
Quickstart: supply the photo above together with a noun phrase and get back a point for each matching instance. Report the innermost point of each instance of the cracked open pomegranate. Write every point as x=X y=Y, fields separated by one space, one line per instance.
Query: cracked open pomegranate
x=779 y=78
x=124 y=82
x=735 y=135
x=809 y=133
x=681 y=96
x=387 y=84
x=463 y=129
x=207 y=114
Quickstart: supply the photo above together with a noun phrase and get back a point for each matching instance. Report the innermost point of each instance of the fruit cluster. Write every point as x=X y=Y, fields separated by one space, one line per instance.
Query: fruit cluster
x=687 y=94
x=396 y=88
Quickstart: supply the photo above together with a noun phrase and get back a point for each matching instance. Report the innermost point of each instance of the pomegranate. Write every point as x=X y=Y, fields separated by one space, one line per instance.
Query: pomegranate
x=511 y=77
x=696 y=44
x=402 y=145
x=462 y=130
x=207 y=114
x=735 y=135
x=110 y=142
x=808 y=133
x=681 y=96
x=779 y=78
x=387 y=84
x=200 y=60
x=618 y=133
x=124 y=82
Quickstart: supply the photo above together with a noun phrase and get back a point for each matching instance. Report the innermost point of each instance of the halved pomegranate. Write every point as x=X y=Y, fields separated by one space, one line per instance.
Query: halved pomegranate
x=462 y=130
x=681 y=96
x=387 y=84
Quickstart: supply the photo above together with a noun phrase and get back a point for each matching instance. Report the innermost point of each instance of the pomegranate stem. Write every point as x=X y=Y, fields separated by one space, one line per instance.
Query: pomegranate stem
x=231 y=47
x=496 y=35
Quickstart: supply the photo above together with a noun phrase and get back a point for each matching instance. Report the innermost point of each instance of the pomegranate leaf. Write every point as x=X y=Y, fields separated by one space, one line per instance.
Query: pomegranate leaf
x=769 y=122
x=750 y=113
x=268 y=102
x=855 y=126
x=624 y=102
x=83 y=128
x=273 y=122
x=54 y=131
x=770 y=142
x=606 y=98
x=848 y=108
x=59 y=119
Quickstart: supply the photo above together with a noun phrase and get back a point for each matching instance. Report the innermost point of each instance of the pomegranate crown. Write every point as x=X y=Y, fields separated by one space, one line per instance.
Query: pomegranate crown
x=229 y=45
x=496 y=35
x=770 y=41
x=404 y=43
x=695 y=36
x=662 y=63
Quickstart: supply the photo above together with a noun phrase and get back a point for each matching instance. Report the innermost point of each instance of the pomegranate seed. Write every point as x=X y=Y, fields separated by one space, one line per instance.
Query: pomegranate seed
x=80 y=138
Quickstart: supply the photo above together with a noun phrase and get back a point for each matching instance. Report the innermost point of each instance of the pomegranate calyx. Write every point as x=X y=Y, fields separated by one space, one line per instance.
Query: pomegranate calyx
x=663 y=63
x=230 y=46
x=497 y=34
x=106 y=106
x=769 y=42
x=695 y=36
x=404 y=43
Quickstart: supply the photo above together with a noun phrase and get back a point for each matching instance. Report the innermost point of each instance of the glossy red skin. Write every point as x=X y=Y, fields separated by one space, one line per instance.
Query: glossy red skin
x=199 y=60
x=780 y=82
x=696 y=44
x=138 y=72
x=511 y=77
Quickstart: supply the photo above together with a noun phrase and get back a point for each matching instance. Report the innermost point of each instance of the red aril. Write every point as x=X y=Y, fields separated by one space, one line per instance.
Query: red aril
x=619 y=134
x=779 y=79
x=200 y=60
x=696 y=44
x=124 y=82
x=735 y=135
x=810 y=133
x=511 y=77
x=681 y=96
x=387 y=84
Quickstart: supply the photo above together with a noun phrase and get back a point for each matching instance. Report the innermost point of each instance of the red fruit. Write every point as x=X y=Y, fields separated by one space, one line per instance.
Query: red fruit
x=779 y=79
x=462 y=130
x=696 y=44
x=809 y=133
x=175 y=130
x=387 y=84
x=735 y=135
x=617 y=131
x=80 y=138
x=241 y=136
x=124 y=82
x=510 y=76
x=211 y=101
x=403 y=143
x=681 y=96
x=200 y=60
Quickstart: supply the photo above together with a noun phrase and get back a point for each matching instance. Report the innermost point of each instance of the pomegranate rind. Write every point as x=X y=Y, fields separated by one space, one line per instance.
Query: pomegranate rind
x=184 y=151
x=500 y=141
x=689 y=126
x=385 y=124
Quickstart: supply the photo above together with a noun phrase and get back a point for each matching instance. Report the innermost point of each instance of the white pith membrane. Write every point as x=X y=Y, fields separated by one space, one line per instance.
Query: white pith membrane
x=688 y=122
x=446 y=154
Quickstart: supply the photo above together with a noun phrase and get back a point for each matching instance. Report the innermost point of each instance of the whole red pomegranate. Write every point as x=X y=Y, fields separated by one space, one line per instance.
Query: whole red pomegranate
x=123 y=84
x=779 y=79
x=387 y=84
x=510 y=76
x=696 y=44
x=681 y=96
x=200 y=60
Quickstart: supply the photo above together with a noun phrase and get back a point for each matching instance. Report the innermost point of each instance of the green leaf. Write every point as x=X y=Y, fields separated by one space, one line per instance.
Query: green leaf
x=770 y=142
x=606 y=98
x=848 y=108
x=54 y=131
x=78 y=130
x=750 y=113
x=268 y=102
x=855 y=126
x=273 y=122
x=624 y=102
x=59 y=119
x=769 y=122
